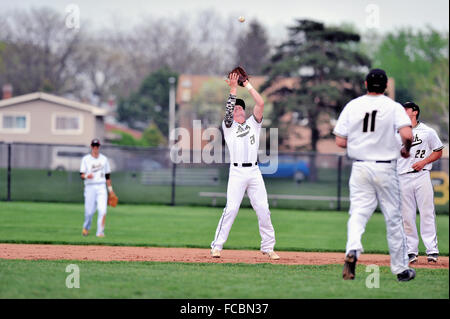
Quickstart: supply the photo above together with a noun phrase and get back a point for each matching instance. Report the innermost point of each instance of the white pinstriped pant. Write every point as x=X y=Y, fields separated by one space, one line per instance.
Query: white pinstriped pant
x=248 y=179
x=95 y=198
x=371 y=184
x=417 y=192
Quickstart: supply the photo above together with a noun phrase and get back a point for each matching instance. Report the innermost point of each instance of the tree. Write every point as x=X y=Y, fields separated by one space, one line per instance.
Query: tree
x=328 y=73
x=149 y=103
x=153 y=137
x=418 y=61
x=39 y=52
x=405 y=54
x=433 y=97
x=126 y=139
x=252 y=49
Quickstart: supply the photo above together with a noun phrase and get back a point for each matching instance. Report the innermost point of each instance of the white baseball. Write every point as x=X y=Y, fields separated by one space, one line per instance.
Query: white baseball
x=241 y=19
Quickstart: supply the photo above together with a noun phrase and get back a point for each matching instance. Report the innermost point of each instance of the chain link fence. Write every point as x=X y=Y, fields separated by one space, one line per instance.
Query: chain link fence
x=50 y=173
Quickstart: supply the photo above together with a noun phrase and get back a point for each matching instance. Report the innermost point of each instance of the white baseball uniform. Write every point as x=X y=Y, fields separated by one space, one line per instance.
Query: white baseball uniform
x=95 y=193
x=243 y=143
x=417 y=190
x=369 y=123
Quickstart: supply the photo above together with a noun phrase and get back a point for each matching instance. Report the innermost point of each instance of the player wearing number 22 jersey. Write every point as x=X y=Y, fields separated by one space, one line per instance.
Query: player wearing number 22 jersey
x=416 y=188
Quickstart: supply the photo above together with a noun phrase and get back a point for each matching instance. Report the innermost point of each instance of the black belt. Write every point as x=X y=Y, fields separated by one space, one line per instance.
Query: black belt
x=416 y=171
x=245 y=164
x=375 y=161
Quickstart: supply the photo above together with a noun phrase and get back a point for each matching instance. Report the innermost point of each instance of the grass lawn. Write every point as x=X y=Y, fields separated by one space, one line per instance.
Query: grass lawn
x=47 y=279
x=152 y=225
x=57 y=186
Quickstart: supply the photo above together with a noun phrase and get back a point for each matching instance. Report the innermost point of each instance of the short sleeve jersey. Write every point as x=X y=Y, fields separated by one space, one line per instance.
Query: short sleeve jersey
x=425 y=142
x=369 y=123
x=98 y=166
x=243 y=140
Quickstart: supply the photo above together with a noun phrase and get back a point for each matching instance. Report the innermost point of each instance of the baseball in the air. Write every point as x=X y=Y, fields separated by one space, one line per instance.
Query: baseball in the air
x=241 y=19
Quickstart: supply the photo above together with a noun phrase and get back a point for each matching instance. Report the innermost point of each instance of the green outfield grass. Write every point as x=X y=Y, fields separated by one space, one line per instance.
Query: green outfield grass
x=146 y=225
x=47 y=279
x=57 y=186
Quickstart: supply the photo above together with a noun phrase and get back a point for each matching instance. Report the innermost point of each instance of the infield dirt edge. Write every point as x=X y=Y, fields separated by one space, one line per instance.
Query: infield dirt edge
x=189 y=255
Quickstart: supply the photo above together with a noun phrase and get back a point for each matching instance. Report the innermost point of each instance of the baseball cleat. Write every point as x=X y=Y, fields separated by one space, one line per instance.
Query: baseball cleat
x=432 y=258
x=349 y=266
x=272 y=255
x=101 y=235
x=215 y=253
x=406 y=275
x=413 y=258
x=85 y=232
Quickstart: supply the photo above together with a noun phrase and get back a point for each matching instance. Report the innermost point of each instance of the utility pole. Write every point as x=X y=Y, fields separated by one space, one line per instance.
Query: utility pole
x=172 y=131
x=171 y=110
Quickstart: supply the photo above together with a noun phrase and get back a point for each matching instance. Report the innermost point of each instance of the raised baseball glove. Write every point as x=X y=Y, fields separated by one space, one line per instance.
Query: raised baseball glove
x=243 y=76
x=112 y=199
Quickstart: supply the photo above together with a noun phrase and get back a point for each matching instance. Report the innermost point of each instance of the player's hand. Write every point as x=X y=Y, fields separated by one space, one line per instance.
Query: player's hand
x=404 y=153
x=418 y=166
x=90 y=176
x=232 y=80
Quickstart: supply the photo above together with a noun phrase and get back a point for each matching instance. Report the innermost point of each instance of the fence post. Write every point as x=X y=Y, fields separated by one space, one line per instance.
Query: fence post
x=174 y=166
x=339 y=177
x=8 y=186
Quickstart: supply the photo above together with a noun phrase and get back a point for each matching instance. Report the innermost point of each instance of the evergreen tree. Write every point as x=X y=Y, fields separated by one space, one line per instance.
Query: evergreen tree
x=328 y=70
x=252 y=49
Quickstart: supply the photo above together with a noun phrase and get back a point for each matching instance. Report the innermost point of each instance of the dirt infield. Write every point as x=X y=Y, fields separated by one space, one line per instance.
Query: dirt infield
x=188 y=255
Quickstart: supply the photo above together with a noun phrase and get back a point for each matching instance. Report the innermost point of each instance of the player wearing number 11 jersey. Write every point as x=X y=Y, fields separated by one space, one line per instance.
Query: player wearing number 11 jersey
x=367 y=127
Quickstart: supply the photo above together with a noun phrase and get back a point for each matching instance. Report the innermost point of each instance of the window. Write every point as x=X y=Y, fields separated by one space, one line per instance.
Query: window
x=67 y=124
x=14 y=122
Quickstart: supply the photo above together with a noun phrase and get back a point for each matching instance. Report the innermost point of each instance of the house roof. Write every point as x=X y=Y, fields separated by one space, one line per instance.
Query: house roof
x=54 y=99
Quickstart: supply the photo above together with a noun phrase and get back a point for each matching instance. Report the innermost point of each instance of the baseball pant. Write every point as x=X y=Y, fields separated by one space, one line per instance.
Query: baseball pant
x=417 y=192
x=371 y=184
x=95 y=198
x=248 y=179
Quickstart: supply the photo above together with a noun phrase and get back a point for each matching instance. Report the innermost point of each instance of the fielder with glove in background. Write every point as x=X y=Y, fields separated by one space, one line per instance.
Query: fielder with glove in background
x=98 y=192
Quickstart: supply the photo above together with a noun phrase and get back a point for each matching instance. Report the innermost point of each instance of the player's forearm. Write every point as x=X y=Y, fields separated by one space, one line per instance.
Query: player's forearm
x=109 y=185
x=434 y=156
x=259 y=107
x=256 y=96
x=231 y=102
x=341 y=142
x=407 y=137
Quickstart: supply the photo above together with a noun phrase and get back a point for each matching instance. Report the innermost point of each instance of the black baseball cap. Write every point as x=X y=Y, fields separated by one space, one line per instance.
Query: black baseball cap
x=241 y=103
x=95 y=142
x=376 y=81
x=413 y=106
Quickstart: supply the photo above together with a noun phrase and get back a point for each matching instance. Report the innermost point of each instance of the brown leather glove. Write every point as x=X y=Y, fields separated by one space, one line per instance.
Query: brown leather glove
x=243 y=76
x=112 y=199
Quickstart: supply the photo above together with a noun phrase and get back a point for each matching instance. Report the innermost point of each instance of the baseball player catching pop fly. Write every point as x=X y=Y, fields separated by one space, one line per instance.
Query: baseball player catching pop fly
x=95 y=171
x=242 y=138
x=367 y=126
x=416 y=187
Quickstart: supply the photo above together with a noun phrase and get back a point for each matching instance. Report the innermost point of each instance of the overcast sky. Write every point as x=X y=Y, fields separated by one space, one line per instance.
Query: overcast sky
x=274 y=14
